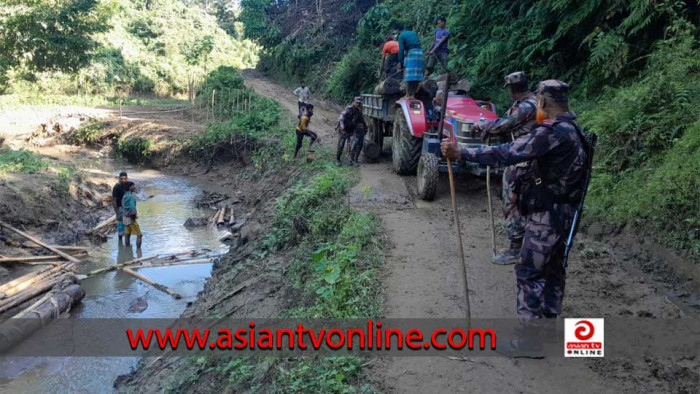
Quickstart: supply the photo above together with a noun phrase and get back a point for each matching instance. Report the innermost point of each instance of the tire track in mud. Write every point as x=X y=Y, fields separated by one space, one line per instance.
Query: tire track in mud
x=421 y=279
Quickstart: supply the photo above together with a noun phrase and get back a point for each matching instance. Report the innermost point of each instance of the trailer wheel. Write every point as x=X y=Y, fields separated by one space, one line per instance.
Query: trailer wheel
x=405 y=148
x=428 y=176
x=371 y=150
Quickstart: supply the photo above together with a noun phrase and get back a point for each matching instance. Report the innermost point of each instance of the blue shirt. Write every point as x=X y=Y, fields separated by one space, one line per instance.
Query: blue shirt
x=407 y=40
x=439 y=35
x=129 y=203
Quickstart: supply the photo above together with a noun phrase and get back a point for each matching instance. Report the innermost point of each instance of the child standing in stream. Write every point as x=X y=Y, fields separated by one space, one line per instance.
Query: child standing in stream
x=131 y=226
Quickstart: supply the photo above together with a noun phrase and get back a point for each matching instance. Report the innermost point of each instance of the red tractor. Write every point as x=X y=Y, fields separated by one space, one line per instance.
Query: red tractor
x=414 y=127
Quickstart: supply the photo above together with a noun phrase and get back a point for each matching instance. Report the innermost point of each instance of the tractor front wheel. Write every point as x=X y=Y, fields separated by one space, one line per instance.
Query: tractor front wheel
x=428 y=176
x=405 y=147
x=372 y=150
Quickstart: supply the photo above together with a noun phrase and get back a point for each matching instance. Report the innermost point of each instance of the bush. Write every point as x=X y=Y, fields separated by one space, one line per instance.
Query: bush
x=355 y=74
x=134 y=149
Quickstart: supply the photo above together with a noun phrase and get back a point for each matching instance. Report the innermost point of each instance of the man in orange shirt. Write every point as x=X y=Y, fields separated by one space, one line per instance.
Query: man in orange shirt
x=390 y=52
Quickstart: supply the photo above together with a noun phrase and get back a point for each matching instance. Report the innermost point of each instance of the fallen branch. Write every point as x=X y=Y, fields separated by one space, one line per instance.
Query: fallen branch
x=59 y=247
x=40 y=243
x=152 y=283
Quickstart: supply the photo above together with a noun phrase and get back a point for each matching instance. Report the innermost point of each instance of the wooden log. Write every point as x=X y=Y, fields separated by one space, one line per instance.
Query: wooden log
x=40 y=243
x=103 y=223
x=220 y=220
x=58 y=301
x=39 y=258
x=232 y=219
x=158 y=286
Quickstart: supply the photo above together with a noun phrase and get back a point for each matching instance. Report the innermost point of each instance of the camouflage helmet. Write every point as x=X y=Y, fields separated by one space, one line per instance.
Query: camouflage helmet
x=358 y=99
x=556 y=89
x=516 y=77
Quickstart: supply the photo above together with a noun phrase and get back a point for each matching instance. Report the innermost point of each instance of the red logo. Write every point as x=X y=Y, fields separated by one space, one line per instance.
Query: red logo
x=584 y=330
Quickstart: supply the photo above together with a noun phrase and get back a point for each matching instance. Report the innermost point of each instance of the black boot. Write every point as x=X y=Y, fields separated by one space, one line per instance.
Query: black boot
x=510 y=255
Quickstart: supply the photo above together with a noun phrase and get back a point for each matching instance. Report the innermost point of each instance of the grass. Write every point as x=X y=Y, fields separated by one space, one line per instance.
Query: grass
x=21 y=161
x=11 y=101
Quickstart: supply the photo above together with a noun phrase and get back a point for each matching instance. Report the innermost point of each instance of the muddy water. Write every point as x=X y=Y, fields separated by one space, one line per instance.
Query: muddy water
x=164 y=203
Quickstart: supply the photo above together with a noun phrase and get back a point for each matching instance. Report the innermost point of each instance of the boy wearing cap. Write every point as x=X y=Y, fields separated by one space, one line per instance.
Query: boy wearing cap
x=303 y=129
x=518 y=122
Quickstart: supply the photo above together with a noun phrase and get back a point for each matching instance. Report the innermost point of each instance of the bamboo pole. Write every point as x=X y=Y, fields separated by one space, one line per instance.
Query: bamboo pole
x=173 y=263
x=59 y=247
x=117 y=266
x=31 y=281
x=103 y=223
x=152 y=283
x=21 y=297
x=14 y=282
x=232 y=219
x=38 y=242
x=39 y=258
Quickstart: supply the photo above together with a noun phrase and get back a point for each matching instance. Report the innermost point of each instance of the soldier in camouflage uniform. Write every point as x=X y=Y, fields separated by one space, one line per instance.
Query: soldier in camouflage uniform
x=351 y=122
x=519 y=121
x=558 y=159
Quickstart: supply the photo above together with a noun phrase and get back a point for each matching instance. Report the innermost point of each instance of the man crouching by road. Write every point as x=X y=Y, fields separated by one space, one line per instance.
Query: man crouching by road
x=518 y=122
x=349 y=120
x=548 y=194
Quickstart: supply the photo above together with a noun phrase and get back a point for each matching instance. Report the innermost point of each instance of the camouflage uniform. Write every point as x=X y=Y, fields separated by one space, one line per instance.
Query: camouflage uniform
x=519 y=121
x=350 y=118
x=561 y=157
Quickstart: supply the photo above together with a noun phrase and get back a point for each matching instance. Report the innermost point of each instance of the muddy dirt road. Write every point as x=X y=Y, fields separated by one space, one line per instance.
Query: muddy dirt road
x=421 y=279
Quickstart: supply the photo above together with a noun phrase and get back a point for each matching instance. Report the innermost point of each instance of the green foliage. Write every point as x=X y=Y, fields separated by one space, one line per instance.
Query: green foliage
x=153 y=51
x=51 y=35
x=66 y=175
x=327 y=375
x=648 y=161
x=355 y=74
x=21 y=161
x=134 y=149
x=87 y=135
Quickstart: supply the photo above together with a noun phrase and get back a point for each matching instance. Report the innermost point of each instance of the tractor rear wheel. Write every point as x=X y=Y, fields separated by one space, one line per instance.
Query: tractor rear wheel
x=428 y=176
x=405 y=148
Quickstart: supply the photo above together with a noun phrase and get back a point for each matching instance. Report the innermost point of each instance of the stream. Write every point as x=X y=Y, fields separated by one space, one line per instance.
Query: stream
x=164 y=204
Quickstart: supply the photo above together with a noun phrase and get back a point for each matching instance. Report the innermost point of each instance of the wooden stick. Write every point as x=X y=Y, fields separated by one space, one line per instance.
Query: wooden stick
x=103 y=223
x=39 y=258
x=459 y=242
x=232 y=219
x=152 y=283
x=38 y=242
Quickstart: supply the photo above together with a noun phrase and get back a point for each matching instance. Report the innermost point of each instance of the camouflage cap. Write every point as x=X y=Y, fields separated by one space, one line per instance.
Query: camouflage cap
x=557 y=89
x=516 y=77
x=358 y=99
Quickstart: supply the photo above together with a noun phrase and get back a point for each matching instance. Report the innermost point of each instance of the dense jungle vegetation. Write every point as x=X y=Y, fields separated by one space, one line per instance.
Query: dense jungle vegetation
x=51 y=51
x=633 y=66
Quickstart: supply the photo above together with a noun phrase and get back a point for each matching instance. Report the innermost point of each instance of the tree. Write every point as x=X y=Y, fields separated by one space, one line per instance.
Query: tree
x=51 y=35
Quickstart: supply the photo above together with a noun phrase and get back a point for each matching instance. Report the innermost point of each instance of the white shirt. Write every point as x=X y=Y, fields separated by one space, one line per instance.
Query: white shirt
x=302 y=94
